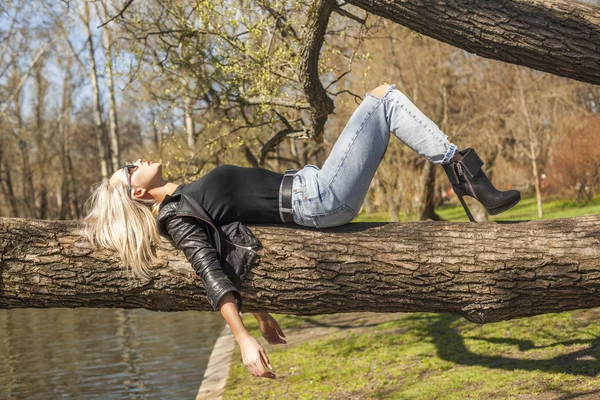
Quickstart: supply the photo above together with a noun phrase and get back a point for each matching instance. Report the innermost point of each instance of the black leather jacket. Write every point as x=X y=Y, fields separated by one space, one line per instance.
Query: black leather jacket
x=221 y=255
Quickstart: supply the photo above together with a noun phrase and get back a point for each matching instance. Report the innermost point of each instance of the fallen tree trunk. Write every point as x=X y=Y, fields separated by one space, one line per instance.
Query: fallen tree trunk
x=557 y=36
x=484 y=272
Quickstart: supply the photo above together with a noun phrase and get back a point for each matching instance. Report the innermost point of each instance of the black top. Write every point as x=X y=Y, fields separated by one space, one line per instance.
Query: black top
x=230 y=193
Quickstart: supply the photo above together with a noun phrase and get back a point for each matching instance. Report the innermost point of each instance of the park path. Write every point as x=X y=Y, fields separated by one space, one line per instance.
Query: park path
x=217 y=371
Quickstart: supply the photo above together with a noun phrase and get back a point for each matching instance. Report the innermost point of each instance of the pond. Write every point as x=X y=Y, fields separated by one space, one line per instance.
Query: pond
x=104 y=353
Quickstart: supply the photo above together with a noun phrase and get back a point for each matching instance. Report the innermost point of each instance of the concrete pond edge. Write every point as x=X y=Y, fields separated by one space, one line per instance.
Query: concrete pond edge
x=217 y=370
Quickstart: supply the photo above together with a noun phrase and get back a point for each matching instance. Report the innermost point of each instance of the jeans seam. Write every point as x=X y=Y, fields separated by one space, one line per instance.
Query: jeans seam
x=428 y=129
x=358 y=131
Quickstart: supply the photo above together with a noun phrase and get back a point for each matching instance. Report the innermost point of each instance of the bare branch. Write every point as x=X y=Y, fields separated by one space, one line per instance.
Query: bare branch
x=348 y=14
x=119 y=14
x=35 y=60
x=275 y=101
x=277 y=138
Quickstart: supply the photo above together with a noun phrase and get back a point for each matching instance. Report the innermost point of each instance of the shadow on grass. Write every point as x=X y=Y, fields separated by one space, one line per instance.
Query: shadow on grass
x=451 y=347
x=343 y=323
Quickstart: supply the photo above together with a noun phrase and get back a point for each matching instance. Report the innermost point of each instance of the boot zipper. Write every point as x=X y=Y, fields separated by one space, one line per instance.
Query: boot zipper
x=460 y=171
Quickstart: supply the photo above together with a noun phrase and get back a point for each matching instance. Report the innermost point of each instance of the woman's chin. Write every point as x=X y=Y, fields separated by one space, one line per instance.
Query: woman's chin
x=158 y=169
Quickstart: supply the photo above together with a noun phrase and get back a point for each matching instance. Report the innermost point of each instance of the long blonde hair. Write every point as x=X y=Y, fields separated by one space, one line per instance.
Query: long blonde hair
x=119 y=222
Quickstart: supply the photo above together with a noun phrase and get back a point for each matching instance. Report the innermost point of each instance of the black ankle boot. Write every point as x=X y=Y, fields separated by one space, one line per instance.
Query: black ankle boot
x=468 y=179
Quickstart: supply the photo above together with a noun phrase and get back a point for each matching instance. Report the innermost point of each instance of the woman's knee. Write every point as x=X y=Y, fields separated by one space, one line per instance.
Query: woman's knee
x=380 y=90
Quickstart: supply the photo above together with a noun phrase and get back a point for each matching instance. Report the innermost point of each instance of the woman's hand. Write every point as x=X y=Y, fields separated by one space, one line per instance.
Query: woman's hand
x=254 y=357
x=270 y=328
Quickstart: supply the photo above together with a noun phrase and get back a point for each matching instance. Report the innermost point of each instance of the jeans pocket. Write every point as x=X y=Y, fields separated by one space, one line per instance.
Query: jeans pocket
x=299 y=185
x=340 y=216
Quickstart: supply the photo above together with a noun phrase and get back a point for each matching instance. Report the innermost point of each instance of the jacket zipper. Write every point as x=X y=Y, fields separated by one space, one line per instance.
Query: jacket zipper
x=214 y=227
x=245 y=247
x=219 y=236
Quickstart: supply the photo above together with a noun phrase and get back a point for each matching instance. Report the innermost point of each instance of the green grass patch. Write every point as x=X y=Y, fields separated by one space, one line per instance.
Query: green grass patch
x=525 y=210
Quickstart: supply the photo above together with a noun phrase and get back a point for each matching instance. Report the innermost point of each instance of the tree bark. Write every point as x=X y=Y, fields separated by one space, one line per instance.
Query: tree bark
x=557 y=36
x=484 y=272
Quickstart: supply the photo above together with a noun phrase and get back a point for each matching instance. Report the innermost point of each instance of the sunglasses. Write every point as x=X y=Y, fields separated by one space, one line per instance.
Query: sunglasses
x=128 y=170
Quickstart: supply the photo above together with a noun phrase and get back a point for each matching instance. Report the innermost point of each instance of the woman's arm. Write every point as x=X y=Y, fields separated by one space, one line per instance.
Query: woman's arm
x=254 y=357
x=189 y=235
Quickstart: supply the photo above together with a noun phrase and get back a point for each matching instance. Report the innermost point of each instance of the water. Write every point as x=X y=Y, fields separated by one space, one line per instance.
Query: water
x=104 y=353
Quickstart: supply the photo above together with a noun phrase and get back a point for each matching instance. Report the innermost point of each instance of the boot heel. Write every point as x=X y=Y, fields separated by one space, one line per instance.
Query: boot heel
x=466 y=209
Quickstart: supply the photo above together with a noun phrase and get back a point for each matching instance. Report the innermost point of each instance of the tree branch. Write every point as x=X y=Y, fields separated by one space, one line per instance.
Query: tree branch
x=274 y=101
x=318 y=17
x=277 y=138
x=339 y=10
x=561 y=37
x=120 y=13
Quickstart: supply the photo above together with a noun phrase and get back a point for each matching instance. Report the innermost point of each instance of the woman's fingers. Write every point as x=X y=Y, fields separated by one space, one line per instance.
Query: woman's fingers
x=273 y=332
x=271 y=337
x=257 y=362
x=280 y=331
x=258 y=369
x=265 y=358
x=275 y=340
x=254 y=357
x=276 y=327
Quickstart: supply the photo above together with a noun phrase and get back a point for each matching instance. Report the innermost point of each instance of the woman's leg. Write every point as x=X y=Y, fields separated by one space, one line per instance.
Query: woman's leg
x=333 y=195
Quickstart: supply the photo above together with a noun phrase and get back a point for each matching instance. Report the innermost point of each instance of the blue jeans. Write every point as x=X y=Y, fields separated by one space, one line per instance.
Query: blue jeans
x=333 y=195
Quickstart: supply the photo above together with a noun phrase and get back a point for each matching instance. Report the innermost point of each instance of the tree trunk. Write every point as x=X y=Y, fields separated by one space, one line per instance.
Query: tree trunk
x=112 y=104
x=538 y=191
x=6 y=180
x=557 y=36
x=27 y=172
x=392 y=207
x=64 y=128
x=427 y=193
x=308 y=69
x=484 y=272
x=189 y=123
x=8 y=190
x=98 y=125
x=40 y=140
x=534 y=148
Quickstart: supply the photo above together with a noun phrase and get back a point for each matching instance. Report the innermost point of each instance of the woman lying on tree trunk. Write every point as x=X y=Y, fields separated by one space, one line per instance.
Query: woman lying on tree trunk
x=205 y=218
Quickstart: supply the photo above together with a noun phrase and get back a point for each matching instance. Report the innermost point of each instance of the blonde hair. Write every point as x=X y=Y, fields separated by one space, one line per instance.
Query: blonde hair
x=124 y=224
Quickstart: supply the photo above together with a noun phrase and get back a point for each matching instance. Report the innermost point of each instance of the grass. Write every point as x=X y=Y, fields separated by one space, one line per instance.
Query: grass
x=431 y=356
x=526 y=209
x=438 y=356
